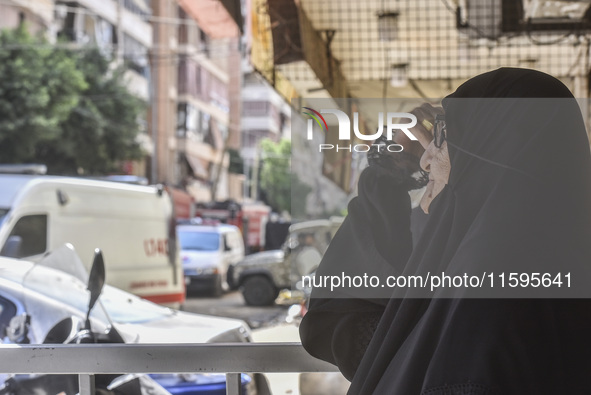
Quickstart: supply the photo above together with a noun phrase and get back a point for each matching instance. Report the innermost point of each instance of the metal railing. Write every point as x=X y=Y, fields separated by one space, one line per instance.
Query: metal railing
x=86 y=360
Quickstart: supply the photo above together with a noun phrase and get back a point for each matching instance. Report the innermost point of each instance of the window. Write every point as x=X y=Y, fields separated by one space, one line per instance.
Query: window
x=3 y=212
x=139 y=7
x=255 y=108
x=33 y=231
x=135 y=54
x=205 y=124
x=187 y=121
x=7 y=311
x=199 y=241
x=78 y=26
x=189 y=77
x=204 y=42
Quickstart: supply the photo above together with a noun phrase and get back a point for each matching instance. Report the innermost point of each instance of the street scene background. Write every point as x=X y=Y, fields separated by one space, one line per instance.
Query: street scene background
x=172 y=135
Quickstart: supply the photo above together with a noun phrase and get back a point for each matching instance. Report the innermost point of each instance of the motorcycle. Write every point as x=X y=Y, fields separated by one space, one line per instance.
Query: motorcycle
x=25 y=328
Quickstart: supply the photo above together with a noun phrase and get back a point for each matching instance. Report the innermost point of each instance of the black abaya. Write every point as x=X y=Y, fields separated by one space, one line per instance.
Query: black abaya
x=518 y=200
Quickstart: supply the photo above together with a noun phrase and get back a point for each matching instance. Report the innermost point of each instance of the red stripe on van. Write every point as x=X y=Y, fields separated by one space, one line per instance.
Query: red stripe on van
x=166 y=298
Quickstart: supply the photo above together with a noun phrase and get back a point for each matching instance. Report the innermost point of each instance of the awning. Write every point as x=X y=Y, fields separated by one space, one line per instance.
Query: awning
x=213 y=18
x=198 y=166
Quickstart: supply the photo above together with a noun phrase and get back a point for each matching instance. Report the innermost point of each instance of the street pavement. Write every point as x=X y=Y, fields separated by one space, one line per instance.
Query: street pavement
x=232 y=305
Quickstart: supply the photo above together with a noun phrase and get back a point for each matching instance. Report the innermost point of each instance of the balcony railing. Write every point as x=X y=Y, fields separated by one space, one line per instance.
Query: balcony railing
x=86 y=360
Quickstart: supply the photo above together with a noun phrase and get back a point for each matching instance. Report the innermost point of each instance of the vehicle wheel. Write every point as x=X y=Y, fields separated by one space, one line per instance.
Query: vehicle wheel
x=259 y=291
x=230 y=278
x=218 y=289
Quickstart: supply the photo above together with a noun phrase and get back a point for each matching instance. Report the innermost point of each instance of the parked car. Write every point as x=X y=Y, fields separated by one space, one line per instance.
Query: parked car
x=42 y=296
x=263 y=275
x=206 y=253
x=133 y=225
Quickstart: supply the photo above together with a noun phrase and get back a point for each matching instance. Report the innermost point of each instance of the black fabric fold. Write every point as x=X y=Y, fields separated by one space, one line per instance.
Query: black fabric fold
x=375 y=238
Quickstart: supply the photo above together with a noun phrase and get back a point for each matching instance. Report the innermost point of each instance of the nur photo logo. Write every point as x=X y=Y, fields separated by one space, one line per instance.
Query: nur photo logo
x=394 y=122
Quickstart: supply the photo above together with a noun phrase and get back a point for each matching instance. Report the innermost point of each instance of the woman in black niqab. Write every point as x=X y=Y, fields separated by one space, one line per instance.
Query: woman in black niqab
x=518 y=200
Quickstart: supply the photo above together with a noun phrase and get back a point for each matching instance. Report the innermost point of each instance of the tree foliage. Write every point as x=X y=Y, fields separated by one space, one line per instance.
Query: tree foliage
x=275 y=173
x=68 y=109
x=38 y=89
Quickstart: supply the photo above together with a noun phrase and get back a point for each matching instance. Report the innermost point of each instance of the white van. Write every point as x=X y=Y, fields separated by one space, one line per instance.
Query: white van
x=133 y=225
x=207 y=251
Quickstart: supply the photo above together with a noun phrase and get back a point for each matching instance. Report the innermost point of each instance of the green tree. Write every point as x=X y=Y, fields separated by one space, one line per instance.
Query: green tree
x=68 y=109
x=101 y=130
x=38 y=89
x=275 y=173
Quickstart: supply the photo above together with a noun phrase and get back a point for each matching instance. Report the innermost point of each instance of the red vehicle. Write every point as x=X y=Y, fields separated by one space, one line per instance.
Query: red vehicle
x=184 y=204
x=250 y=218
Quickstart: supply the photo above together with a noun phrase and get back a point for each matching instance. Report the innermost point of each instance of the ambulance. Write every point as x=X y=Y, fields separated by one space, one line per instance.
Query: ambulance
x=133 y=225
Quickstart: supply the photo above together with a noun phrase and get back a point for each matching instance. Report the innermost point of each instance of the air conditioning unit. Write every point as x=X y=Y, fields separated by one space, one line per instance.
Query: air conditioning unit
x=480 y=18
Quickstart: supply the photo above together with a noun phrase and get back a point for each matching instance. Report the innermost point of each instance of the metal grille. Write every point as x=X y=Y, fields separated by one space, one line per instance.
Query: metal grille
x=442 y=40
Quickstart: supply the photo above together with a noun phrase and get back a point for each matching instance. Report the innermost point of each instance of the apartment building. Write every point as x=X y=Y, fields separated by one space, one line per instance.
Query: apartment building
x=120 y=28
x=195 y=90
x=265 y=114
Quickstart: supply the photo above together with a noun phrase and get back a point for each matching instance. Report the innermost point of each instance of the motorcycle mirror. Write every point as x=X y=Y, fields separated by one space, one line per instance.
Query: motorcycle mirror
x=96 y=281
x=62 y=331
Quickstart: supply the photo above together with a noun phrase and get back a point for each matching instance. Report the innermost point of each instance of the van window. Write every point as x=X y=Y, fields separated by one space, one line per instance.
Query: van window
x=3 y=212
x=7 y=311
x=227 y=244
x=199 y=241
x=33 y=231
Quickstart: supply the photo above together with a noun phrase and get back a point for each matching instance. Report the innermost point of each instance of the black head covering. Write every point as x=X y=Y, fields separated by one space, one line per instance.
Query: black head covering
x=519 y=190
x=518 y=200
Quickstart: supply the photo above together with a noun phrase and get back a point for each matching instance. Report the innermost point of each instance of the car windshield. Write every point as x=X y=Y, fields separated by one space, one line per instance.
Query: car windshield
x=199 y=241
x=68 y=289
x=3 y=212
x=125 y=308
